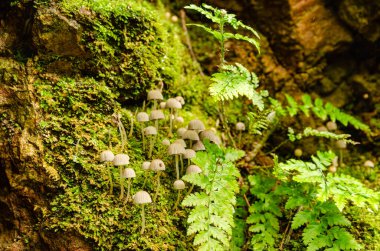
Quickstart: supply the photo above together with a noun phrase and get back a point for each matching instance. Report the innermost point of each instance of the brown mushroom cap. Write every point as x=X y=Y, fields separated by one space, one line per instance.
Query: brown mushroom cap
x=189 y=154
x=121 y=160
x=193 y=169
x=322 y=129
x=196 y=124
x=128 y=173
x=142 y=117
x=173 y=103
x=341 y=144
x=189 y=134
x=145 y=165
x=181 y=131
x=179 y=185
x=163 y=105
x=180 y=141
x=176 y=148
x=369 y=163
x=155 y=95
x=210 y=135
x=156 y=115
x=150 y=130
x=106 y=156
x=179 y=120
x=331 y=126
x=157 y=165
x=166 y=142
x=142 y=197
x=240 y=126
x=198 y=146
x=180 y=99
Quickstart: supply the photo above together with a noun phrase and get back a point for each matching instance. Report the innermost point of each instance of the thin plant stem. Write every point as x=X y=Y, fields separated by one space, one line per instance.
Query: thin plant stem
x=176 y=165
x=190 y=190
x=151 y=146
x=178 y=198
x=158 y=187
x=128 y=190
x=181 y=158
x=121 y=183
x=142 y=219
x=143 y=138
x=170 y=123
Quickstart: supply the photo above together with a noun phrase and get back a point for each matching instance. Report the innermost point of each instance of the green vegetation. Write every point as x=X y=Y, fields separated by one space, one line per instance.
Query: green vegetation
x=234 y=203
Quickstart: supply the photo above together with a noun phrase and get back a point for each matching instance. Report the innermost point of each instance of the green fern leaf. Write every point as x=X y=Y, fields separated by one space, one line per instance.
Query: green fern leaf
x=301 y=218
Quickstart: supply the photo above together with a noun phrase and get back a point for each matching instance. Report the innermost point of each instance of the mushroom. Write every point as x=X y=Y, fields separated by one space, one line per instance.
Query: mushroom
x=341 y=145
x=128 y=173
x=196 y=125
x=162 y=105
x=369 y=163
x=107 y=156
x=331 y=126
x=181 y=131
x=121 y=160
x=172 y=104
x=191 y=135
x=142 y=117
x=210 y=135
x=166 y=142
x=145 y=166
x=179 y=120
x=298 y=152
x=189 y=154
x=141 y=198
x=322 y=129
x=180 y=141
x=150 y=131
x=155 y=116
x=178 y=185
x=180 y=99
x=192 y=169
x=198 y=146
x=155 y=95
x=240 y=126
x=157 y=165
x=176 y=149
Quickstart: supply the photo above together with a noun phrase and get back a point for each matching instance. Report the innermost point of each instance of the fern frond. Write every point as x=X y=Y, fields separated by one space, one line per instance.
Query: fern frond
x=234 y=81
x=310 y=132
x=258 y=122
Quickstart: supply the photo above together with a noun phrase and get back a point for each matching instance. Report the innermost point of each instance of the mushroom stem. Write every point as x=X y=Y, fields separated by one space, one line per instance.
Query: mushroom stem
x=156 y=124
x=190 y=190
x=181 y=157
x=191 y=143
x=145 y=176
x=128 y=190
x=158 y=187
x=110 y=177
x=340 y=157
x=178 y=198
x=121 y=183
x=171 y=123
x=142 y=219
x=131 y=129
x=143 y=138
x=239 y=140
x=176 y=166
x=151 y=143
x=154 y=104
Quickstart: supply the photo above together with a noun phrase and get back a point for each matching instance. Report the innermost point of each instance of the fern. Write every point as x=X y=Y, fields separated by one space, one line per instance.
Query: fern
x=221 y=17
x=310 y=132
x=320 y=109
x=258 y=122
x=211 y=219
x=264 y=213
x=234 y=81
x=325 y=228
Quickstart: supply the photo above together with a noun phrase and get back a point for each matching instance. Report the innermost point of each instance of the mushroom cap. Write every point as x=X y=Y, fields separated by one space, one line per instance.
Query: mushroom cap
x=162 y=105
x=106 y=156
x=189 y=154
x=180 y=99
x=155 y=95
x=142 y=197
x=179 y=120
x=166 y=142
x=196 y=124
x=142 y=117
x=240 y=126
x=121 y=159
x=341 y=144
x=173 y=103
x=210 y=135
x=181 y=131
x=193 y=169
x=128 y=173
x=176 y=148
x=157 y=165
x=198 y=146
x=322 y=129
x=331 y=126
x=180 y=141
x=298 y=152
x=145 y=165
x=179 y=185
x=150 y=130
x=369 y=163
x=190 y=134
x=156 y=115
